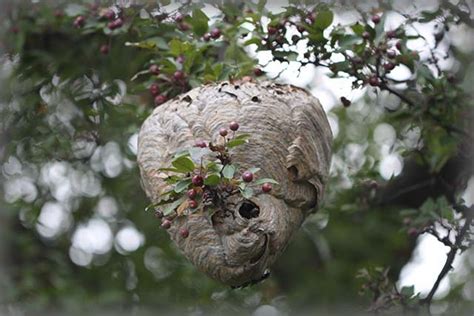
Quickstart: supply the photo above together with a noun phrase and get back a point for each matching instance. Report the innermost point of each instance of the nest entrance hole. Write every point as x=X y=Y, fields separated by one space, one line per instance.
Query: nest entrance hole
x=249 y=210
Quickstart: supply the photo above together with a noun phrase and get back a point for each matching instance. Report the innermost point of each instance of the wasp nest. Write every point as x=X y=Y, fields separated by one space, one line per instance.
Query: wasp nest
x=291 y=143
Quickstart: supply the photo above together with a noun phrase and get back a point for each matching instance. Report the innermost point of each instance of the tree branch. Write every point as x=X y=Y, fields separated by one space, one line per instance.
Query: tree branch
x=452 y=254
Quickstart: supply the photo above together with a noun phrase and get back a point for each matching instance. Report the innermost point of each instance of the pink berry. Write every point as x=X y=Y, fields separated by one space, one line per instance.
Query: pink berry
x=374 y=81
x=247 y=176
x=192 y=204
x=233 y=126
x=206 y=37
x=154 y=89
x=178 y=75
x=215 y=33
x=391 y=54
x=154 y=69
x=376 y=19
x=104 y=49
x=197 y=180
x=165 y=223
x=266 y=187
x=258 y=72
x=179 y=18
x=272 y=30
x=160 y=99
x=184 y=232
x=200 y=143
x=223 y=132
x=192 y=193
x=79 y=21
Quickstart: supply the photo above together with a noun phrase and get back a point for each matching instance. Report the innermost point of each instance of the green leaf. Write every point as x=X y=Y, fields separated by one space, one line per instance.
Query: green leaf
x=228 y=171
x=254 y=170
x=182 y=185
x=212 y=179
x=183 y=163
x=247 y=192
x=265 y=180
x=358 y=29
x=242 y=136
x=408 y=291
x=172 y=207
x=172 y=170
x=253 y=40
x=324 y=19
x=261 y=5
x=214 y=166
x=181 y=153
x=236 y=142
x=199 y=22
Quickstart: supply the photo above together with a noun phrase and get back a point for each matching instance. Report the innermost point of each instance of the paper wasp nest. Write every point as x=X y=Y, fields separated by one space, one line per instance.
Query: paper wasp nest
x=291 y=143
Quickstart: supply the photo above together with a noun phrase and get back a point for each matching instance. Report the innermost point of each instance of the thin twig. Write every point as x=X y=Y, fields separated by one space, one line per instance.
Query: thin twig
x=451 y=255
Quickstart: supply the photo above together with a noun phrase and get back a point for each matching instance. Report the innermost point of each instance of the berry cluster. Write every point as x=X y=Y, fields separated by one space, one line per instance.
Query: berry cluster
x=203 y=177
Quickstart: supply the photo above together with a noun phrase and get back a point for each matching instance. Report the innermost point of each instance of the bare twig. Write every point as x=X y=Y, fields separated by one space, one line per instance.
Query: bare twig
x=452 y=253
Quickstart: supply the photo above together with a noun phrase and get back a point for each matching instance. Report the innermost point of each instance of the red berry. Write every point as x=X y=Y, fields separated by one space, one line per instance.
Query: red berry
x=154 y=89
x=247 y=176
x=197 y=180
x=159 y=214
x=104 y=49
x=178 y=75
x=200 y=143
x=184 y=232
x=398 y=45
x=192 y=193
x=206 y=37
x=272 y=30
x=391 y=54
x=388 y=66
x=192 y=204
x=115 y=24
x=374 y=81
x=234 y=126
x=154 y=69
x=266 y=187
x=258 y=72
x=119 y=22
x=215 y=33
x=109 y=14
x=300 y=28
x=366 y=35
x=179 y=18
x=165 y=223
x=345 y=102
x=413 y=232
x=223 y=132
x=180 y=59
x=79 y=21
x=183 y=26
x=376 y=19
x=391 y=34
x=160 y=99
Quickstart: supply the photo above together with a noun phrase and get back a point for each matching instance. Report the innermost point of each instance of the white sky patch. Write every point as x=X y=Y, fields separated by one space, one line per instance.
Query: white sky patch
x=391 y=166
x=53 y=220
x=94 y=237
x=128 y=239
x=424 y=267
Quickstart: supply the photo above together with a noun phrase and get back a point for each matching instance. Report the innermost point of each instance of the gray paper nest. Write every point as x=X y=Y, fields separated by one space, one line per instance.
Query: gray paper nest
x=291 y=143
